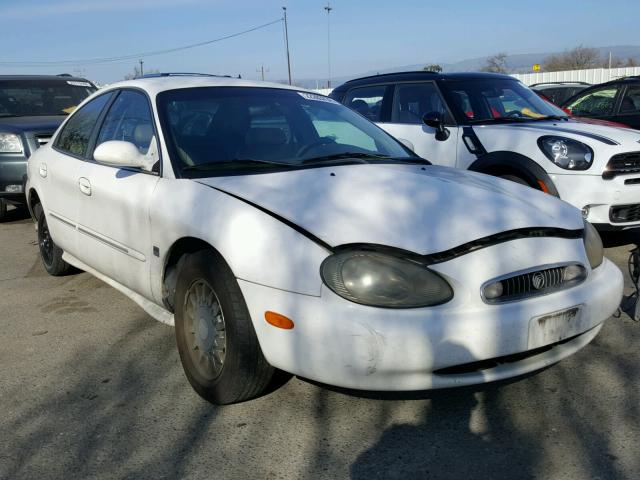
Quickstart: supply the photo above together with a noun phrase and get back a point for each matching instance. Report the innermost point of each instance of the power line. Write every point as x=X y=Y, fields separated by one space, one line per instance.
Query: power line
x=95 y=61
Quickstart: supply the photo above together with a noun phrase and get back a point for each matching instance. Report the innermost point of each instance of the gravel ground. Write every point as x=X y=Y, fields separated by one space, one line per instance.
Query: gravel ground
x=92 y=387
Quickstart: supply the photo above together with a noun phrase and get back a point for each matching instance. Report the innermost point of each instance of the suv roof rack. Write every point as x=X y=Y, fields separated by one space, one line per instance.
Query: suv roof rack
x=182 y=74
x=562 y=82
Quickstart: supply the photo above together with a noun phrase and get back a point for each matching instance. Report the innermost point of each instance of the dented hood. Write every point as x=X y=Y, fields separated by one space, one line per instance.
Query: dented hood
x=423 y=209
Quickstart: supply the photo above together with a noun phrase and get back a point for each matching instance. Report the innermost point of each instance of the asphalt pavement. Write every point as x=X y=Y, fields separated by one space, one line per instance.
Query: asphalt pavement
x=92 y=387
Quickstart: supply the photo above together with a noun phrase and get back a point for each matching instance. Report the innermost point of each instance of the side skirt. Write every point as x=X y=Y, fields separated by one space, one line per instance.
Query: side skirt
x=157 y=312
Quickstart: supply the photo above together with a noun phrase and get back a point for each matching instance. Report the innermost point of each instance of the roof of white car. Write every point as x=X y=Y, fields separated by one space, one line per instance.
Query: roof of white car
x=156 y=84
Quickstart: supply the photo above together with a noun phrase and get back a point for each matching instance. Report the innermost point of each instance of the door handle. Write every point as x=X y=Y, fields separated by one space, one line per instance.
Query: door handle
x=43 y=170
x=85 y=185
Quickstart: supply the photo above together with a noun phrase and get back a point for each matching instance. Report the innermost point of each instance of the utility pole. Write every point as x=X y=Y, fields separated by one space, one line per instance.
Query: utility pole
x=328 y=8
x=262 y=71
x=141 y=70
x=286 y=41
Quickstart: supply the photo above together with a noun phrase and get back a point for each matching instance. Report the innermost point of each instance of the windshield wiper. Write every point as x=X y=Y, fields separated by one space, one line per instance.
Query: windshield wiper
x=552 y=117
x=502 y=120
x=363 y=157
x=238 y=161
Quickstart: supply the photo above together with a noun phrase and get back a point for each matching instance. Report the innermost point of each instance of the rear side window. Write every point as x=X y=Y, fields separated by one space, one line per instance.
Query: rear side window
x=74 y=137
x=367 y=101
x=598 y=102
x=631 y=100
x=129 y=119
x=412 y=101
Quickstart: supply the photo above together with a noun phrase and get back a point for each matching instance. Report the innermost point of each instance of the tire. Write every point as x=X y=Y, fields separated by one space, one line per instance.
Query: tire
x=218 y=346
x=50 y=253
x=516 y=179
x=3 y=210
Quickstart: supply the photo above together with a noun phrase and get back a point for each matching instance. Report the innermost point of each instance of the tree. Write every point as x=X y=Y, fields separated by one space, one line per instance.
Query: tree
x=577 y=58
x=434 y=67
x=496 y=64
x=136 y=73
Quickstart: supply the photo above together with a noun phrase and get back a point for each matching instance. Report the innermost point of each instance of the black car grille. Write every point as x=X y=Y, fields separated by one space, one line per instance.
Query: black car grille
x=534 y=283
x=621 y=164
x=625 y=213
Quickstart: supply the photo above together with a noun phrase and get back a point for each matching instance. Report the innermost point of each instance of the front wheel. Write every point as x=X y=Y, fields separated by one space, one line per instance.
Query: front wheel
x=50 y=253
x=516 y=179
x=218 y=346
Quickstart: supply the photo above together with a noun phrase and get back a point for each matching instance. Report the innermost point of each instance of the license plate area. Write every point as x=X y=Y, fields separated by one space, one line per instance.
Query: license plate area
x=556 y=326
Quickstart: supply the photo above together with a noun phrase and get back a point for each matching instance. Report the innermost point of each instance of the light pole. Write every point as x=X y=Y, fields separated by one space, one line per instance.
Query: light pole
x=141 y=70
x=328 y=8
x=286 y=41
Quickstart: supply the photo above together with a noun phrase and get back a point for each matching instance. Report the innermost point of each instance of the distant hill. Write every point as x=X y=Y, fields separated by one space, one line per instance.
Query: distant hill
x=518 y=63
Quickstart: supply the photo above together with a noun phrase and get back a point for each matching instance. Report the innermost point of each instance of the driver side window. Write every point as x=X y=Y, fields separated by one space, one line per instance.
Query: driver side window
x=412 y=101
x=129 y=119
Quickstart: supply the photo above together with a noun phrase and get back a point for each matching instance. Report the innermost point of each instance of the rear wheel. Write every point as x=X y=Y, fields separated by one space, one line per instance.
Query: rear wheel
x=3 y=209
x=50 y=253
x=218 y=346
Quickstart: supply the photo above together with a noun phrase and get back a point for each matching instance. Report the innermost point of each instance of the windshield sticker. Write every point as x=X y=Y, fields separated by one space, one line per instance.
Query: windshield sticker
x=79 y=84
x=316 y=97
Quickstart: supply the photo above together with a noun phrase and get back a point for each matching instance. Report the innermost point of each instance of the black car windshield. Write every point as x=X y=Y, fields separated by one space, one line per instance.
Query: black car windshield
x=496 y=100
x=25 y=98
x=219 y=130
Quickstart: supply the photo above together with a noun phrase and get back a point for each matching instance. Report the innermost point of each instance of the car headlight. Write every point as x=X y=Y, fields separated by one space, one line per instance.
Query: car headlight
x=593 y=245
x=10 y=143
x=566 y=153
x=383 y=280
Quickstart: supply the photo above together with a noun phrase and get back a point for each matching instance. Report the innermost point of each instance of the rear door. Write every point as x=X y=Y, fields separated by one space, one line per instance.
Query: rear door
x=59 y=172
x=113 y=217
x=629 y=106
x=411 y=102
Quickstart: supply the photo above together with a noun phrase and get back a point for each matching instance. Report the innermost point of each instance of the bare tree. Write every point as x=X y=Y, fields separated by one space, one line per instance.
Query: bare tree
x=136 y=73
x=434 y=67
x=577 y=58
x=496 y=64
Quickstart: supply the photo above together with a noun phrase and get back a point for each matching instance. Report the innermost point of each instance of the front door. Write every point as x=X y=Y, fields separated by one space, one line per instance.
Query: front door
x=113 y=222
x=411 y=102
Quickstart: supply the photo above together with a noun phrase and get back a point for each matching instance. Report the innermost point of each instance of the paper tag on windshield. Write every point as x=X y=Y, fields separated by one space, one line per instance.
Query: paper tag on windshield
x=316 y=97
x=79 y=84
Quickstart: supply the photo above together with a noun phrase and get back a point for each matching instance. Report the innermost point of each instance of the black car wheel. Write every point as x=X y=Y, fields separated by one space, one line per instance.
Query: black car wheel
x=50 y=253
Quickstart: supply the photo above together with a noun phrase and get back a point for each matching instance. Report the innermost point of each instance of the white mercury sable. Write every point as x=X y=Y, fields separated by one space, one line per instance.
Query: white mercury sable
x=281 y=229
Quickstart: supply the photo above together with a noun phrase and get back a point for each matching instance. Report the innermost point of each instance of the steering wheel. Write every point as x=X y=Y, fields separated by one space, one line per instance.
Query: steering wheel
x=323 y=141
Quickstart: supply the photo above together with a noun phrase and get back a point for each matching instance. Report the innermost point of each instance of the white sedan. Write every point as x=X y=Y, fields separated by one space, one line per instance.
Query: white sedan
x=280 y=229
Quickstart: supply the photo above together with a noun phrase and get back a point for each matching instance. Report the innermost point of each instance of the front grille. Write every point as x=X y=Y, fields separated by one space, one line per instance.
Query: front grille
x=625 y=213
x=622 y=164
x=534 y=283
x=43 y=138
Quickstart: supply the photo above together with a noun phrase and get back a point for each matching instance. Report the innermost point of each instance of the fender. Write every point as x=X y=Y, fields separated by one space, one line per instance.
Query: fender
x=512 y=163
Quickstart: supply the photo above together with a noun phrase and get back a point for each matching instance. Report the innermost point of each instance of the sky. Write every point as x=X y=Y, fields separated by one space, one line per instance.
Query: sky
x=365 y=35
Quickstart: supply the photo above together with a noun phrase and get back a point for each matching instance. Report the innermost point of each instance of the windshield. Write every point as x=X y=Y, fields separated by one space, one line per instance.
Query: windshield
x=25 y=98
x=221 y=129
x=493 y=100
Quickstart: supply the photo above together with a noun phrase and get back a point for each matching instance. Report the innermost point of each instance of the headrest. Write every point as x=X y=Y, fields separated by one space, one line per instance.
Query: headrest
x=265 y=136
x=143 y=134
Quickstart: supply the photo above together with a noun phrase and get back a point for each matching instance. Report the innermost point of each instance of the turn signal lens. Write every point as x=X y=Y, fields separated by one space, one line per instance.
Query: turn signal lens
x=278 y=320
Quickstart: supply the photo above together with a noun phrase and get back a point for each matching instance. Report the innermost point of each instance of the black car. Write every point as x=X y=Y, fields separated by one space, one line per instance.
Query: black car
x=616 y=101
x=559 y=92
x=31 y=109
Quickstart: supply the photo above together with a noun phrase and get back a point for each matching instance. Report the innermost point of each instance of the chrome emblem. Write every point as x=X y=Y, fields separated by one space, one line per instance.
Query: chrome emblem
x=538 y=280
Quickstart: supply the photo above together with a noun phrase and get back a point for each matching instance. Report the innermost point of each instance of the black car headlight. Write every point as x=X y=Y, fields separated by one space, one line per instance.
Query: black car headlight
x=566 y=153
x=593 y=245
x=381 y=279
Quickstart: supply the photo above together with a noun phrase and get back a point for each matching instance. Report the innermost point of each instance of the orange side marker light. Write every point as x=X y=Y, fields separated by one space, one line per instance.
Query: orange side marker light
x=543 y=186
x=278 y=320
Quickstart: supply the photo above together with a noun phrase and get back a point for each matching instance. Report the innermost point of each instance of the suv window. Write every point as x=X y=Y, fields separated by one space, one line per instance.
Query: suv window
x=631 y=100
x=129 y=119
x=367 y=101
x=598 y=102
x=75 y=135
x=412 y=101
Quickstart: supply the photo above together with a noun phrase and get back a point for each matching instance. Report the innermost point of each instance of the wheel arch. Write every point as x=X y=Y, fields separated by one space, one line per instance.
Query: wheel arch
x=175 y=255
x=513 y=163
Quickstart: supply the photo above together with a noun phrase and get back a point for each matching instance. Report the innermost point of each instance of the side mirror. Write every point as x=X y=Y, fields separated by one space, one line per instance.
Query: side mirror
x=117 y=153
x=434 y=120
